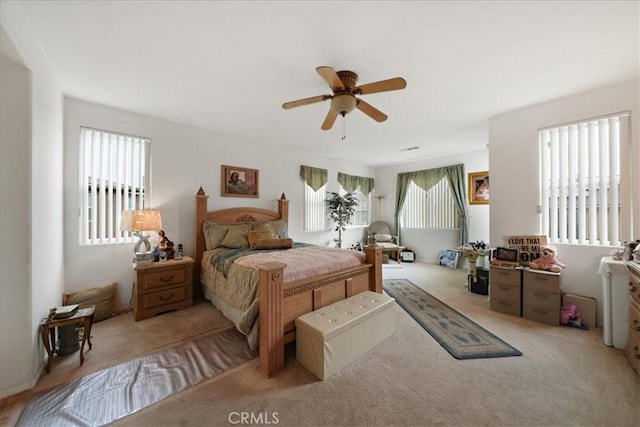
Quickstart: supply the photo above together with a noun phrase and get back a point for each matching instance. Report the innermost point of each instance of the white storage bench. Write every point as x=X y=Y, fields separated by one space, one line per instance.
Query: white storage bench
x=329 y=338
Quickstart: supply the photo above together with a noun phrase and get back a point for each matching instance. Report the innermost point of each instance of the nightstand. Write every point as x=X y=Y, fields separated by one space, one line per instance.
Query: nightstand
x=162 y=286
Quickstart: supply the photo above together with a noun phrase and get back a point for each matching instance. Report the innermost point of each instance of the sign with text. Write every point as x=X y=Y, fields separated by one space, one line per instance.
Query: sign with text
x=529 y=247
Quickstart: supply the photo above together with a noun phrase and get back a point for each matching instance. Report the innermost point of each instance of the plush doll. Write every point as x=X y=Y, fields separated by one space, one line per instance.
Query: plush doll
x=547 y=261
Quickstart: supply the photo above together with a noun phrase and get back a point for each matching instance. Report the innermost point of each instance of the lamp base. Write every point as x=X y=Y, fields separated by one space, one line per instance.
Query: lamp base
x=144 y=258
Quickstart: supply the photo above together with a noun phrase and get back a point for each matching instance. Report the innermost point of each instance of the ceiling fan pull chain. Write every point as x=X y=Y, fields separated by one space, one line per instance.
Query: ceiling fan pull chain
x=344 y=127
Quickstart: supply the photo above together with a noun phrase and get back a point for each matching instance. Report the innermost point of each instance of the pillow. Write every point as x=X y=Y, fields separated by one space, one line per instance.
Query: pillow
x=213 y=234
x=279 y=226
x=274 y=243
x=255 y=236
x=383 y=237
x=105 y=299
x=235 y=238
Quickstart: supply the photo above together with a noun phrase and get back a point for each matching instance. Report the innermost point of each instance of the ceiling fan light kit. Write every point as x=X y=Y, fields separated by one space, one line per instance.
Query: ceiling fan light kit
x=343 y=99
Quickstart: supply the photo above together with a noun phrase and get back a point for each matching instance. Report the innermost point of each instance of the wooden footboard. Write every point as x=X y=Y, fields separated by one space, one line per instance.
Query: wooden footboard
x=280 y=304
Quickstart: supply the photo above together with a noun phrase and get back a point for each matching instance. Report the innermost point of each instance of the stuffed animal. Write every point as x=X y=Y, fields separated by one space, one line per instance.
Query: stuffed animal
x=547 y=261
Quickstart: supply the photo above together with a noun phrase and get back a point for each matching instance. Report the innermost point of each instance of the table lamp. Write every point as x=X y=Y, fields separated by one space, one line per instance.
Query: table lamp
x=138 y=221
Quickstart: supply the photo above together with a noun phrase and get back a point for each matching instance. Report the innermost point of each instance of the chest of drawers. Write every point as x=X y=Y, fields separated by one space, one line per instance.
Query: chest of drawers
x=505 y=293
x=541 y=296
x=163 y=286
x=633 y=343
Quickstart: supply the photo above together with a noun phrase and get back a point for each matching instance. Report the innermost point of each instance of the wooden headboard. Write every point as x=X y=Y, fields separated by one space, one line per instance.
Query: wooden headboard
x=229 y=217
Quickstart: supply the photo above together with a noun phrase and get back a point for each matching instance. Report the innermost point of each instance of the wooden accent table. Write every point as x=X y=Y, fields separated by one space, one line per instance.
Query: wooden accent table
x=84 y=317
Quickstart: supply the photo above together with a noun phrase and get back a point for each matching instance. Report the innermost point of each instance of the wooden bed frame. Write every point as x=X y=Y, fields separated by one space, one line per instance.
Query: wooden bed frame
x=280 y=304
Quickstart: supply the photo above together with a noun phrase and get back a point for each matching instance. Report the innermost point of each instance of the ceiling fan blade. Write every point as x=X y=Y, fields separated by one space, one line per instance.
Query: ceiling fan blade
x=381 y=86
x=331 y=77
x=329 y=120
x=371 y=111
x=305 y=101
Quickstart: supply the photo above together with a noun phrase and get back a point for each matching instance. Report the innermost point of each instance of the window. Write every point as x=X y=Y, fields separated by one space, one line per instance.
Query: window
x=314 y=208
x=585 y=188
x=435 y=208
x=114 y=176
x=362 y=215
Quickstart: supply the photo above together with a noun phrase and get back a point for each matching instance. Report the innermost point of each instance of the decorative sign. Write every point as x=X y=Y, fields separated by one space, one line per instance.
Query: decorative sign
x=529 y=247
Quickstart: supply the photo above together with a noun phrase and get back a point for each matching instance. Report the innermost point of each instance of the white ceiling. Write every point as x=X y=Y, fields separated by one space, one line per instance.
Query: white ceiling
x=229 y=66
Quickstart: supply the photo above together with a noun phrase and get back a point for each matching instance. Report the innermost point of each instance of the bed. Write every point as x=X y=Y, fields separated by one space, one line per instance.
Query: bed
x=283 y=295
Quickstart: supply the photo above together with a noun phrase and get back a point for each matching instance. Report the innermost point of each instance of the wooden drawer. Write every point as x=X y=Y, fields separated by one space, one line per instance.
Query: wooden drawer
x=163 y=277
x=157 y=299
x=541 y=298
x=546 y=282
x=505 y=276
x=633 y=351
x=505 y=292
x=541 y=314
x=504 y=306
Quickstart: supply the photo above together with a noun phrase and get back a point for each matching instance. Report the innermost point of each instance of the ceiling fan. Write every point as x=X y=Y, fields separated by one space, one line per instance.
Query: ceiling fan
x=343 y=99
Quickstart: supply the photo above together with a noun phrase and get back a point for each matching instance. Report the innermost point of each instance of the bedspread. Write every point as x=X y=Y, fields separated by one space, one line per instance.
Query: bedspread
x=232 y=276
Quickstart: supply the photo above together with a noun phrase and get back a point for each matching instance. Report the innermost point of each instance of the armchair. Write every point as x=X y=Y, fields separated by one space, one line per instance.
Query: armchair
x=379 y=234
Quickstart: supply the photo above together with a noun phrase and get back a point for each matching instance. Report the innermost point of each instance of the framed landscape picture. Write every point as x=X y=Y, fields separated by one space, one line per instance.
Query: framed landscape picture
x=239 y=182
x=479 y=188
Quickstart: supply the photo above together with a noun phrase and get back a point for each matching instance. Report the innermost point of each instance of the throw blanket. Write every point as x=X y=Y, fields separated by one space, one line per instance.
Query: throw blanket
x=232 y=275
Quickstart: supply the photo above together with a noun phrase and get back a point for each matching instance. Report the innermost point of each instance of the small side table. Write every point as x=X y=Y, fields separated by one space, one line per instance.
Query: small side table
x=84 y=317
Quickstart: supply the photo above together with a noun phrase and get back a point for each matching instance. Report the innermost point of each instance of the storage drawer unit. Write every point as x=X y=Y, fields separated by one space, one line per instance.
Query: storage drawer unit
x=633 y=342
x=163 y=286
x=541 y=296
x=505 y=291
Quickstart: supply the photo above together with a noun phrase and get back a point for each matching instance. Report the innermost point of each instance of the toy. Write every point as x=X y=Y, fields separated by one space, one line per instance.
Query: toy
x=547 y=261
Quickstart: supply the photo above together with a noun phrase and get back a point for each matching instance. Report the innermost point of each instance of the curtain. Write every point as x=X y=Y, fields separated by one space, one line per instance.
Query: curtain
x=351 y=183
x=426 y=179
x=315 y=178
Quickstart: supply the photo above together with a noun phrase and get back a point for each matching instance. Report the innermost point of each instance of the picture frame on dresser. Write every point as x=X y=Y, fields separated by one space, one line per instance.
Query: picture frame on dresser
x=236 y=181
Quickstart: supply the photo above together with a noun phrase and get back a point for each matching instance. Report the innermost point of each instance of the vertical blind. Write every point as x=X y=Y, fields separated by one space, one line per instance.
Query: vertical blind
x=314 y=211
x=433 y=209
x=581 y=179
x=113 y=177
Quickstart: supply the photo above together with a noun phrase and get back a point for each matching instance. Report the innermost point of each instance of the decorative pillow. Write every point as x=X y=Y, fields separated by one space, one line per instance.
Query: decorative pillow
x=278 y=226
x=274 y=243
x=255 y=236
x=213 y=234
x=105 y=299
x=236 y=238
x=383 y=237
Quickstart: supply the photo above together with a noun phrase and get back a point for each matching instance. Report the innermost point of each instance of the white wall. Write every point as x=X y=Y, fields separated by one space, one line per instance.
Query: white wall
x=37 y=196
x=513 y=151
x=183 y=159
x=427 y=244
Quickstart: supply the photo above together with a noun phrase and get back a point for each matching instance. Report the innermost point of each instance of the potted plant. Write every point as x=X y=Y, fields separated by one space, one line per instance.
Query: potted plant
x=341 y=210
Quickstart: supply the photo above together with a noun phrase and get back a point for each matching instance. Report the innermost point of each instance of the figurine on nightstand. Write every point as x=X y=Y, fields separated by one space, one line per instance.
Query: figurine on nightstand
x=165 y=249
x=547 y=261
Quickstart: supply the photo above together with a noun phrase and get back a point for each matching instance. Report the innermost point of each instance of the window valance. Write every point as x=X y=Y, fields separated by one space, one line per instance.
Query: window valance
x=315 y=178
x=351 y=183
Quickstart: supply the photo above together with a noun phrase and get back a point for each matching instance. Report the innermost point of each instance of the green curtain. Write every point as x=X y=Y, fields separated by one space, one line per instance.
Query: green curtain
x=426 y=179
x=315 y=178
x=351 y=183
x=455 y=175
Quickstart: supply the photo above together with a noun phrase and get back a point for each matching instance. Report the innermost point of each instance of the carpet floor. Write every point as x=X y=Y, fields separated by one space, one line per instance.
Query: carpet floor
x=459 y=335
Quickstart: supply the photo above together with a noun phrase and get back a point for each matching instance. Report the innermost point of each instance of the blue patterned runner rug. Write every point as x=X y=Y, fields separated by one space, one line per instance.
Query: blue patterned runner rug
x=460 y=336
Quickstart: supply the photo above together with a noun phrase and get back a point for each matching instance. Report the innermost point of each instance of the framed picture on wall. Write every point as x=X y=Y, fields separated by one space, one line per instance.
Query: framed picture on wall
x=239 y=182
x=479 y=188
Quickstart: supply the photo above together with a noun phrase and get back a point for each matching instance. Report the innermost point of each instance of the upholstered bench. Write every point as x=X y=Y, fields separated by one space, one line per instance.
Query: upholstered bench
x=329 y=338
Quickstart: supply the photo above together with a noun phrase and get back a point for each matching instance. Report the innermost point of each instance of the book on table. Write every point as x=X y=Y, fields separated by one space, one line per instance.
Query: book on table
x=65 y=311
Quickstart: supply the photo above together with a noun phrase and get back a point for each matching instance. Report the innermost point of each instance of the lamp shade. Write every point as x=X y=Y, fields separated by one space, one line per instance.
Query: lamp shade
x=141 y=220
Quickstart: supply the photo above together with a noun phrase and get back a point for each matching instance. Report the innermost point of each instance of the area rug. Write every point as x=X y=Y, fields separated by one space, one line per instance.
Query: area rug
x=460 y=336
x=102 y=397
